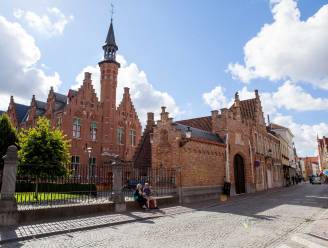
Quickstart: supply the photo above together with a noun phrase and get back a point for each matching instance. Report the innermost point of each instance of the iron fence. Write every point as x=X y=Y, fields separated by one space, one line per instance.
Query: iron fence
x=161 y=180
x=83 y=185
x=87 y=185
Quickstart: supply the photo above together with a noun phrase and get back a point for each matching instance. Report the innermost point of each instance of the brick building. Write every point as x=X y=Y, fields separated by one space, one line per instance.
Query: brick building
x=233 y=145
x=311 y=166
x=89 y=122
x=323 y=152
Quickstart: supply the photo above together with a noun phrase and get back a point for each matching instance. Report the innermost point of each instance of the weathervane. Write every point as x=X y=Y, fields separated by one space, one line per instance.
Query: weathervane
x=112 y=12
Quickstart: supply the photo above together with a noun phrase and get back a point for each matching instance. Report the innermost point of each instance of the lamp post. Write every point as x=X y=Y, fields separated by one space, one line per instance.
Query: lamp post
x=188 y=133
x=186 y=137
x=89 y=150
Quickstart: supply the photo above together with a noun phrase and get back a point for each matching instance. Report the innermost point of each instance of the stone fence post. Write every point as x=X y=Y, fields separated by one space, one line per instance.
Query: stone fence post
x=119 y=200
x=8 y=205
x=179 y=182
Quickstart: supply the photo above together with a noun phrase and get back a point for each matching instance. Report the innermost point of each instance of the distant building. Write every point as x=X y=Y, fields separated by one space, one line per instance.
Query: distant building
x=323 y=152
x=311 y=166
x=289 y=157
x=89 y=121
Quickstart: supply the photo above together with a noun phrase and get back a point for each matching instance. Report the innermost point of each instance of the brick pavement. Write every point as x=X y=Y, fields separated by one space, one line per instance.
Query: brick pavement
x=66 y=226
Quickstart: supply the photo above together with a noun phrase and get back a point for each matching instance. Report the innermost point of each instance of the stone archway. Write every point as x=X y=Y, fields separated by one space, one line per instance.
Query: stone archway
x=239 y=171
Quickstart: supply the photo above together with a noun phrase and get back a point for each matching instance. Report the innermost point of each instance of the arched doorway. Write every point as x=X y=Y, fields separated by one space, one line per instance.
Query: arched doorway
x=239 y=174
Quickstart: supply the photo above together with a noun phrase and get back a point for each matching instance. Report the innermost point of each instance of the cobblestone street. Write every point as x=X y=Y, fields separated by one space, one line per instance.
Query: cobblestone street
x=282 y=218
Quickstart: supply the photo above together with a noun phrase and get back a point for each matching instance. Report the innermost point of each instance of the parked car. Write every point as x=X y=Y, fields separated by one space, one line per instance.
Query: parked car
x=316 y=180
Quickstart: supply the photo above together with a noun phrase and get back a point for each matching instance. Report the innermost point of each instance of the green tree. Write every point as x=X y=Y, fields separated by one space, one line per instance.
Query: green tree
x=44 y=152
x=8 y=136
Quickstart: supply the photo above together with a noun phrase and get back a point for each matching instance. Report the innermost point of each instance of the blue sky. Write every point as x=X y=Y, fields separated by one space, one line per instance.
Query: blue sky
x=178 y=52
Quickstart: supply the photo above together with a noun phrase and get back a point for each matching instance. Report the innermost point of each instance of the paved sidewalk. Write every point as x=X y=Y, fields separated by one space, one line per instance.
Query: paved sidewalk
x=319 y=228
x=52 y=228
x=26 y=232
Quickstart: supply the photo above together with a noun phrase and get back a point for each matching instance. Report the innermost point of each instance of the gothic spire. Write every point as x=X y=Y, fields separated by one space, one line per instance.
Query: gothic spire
x=110 y=47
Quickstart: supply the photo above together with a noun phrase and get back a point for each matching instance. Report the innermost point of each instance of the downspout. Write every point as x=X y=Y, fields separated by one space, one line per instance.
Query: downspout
x=251 y=156
x=227 y=159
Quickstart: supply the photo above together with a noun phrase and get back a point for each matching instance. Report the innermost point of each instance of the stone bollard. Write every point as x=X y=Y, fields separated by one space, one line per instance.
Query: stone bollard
x=119 y=200
x=8 y=205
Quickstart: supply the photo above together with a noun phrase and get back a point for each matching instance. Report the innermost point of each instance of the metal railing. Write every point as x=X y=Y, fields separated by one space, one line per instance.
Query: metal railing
x=161 y=180
x=81 y=186
x=85 y=185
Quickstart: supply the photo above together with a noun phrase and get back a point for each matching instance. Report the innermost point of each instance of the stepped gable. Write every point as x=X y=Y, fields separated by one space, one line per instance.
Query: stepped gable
x=202 y=123
x=126 y=106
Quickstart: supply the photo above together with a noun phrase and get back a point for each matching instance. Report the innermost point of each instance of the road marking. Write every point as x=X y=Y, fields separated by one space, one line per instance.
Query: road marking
x=306 y=242
x=283 y=246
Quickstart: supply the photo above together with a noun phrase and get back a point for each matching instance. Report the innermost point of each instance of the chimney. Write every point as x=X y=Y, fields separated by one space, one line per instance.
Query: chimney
x=150 y=120
x=164 y=114
x=87 y=75
x=214 y=120
x=257 y=94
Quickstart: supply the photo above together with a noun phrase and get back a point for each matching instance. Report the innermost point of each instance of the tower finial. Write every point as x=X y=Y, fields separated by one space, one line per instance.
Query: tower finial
x=110 y=48
x=112 y=12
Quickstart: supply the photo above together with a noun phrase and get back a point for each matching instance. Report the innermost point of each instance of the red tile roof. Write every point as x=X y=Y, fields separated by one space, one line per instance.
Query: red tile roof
x=203 y=123
x=247 y=108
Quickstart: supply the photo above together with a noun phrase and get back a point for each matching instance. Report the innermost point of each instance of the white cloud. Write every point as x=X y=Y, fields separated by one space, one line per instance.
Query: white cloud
x=293 y=97
x=51 y=24
x=144 y=96
x=18 y=57
x=288 y=48
x=216 y=98
x=305 y=135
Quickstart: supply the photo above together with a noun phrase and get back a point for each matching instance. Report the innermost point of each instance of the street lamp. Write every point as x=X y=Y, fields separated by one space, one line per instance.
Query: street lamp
x=89 y=150
x=185 y=138
x=188 y=133
x=151 y=137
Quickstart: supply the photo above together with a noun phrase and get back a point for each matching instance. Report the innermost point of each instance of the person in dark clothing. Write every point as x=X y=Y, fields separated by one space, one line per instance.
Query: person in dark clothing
x=138 y=197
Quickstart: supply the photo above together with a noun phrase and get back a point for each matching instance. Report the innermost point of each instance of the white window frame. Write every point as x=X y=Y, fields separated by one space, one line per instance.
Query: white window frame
x=133 y=137
x=77 y=127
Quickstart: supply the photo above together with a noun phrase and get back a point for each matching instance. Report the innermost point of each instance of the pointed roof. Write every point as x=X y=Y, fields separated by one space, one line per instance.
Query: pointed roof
x=110 y=40
x=203 y=123
x=199 y=134
x=21 y=111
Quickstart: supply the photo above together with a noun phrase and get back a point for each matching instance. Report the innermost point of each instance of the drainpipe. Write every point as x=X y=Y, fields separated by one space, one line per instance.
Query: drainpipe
x=227 y=159
x=251 y=156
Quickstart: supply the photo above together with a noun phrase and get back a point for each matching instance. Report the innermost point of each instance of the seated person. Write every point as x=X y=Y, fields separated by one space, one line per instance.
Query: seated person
x=138 y=196
x=148 y=195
